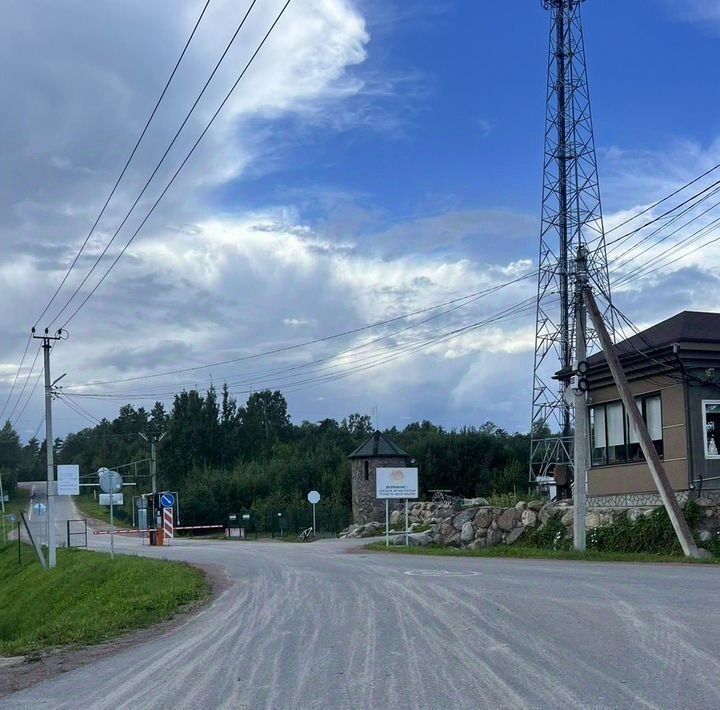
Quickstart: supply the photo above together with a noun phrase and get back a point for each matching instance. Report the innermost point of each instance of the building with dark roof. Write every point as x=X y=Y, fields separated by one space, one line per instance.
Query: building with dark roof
x=376 y=452
x=674 y=372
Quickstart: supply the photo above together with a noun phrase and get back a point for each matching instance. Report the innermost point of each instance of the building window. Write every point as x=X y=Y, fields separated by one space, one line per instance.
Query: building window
x=366 y=470
x=614 y=438
x=711 y=422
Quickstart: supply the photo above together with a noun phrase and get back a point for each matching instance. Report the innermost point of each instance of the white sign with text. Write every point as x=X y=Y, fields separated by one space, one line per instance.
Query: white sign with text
x=68 y=480
x=396 y=483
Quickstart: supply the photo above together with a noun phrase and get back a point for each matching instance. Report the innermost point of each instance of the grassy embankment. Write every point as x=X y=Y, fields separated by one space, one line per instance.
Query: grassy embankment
x=88 y=598
x=538 y=553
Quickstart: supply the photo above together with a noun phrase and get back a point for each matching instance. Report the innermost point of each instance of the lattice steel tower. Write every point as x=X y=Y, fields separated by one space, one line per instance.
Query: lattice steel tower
x=571 y=217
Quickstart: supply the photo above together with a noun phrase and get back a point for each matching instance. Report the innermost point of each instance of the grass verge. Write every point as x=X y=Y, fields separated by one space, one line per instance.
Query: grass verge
x=88 y=598
x=539 y=554
x=18 y=503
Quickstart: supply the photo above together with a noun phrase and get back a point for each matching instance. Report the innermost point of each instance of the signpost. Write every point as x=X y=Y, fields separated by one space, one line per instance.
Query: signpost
x=68 y=480
x=110 y=482
x=167 y=500
x=396 y=483
x=314 y=498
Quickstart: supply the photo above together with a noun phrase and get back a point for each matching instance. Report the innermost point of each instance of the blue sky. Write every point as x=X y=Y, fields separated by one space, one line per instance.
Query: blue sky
x=379 y=158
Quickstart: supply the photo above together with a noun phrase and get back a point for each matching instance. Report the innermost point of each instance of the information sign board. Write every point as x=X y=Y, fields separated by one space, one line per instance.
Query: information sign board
x=68 y=480
x=396 y=483
x=105 y=498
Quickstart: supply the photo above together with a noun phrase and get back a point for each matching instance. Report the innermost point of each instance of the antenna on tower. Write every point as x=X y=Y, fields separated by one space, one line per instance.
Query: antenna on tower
x=571 y=218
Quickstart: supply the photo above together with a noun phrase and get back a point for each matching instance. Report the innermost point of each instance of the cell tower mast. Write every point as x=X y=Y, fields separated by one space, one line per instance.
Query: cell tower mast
x=571 y=218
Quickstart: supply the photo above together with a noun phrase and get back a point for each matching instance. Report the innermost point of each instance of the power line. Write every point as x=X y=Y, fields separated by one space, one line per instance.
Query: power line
x=127 y=164
x=157 y=167
x=17 y=374
x=664 y=199
x=373 y=360
x=27 y=379
x=287 y=348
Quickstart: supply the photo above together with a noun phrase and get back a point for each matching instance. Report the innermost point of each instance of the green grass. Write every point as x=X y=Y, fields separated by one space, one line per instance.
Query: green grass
x=539 y=553
x=88 y=598
x=18 y=503
x=90 y=508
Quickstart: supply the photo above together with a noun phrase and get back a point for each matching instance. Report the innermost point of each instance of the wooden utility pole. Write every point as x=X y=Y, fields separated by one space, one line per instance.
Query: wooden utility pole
x=682 y=530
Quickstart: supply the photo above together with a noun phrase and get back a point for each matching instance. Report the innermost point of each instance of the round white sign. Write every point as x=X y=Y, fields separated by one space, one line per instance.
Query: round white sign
x=110 y=481
x=314 y=497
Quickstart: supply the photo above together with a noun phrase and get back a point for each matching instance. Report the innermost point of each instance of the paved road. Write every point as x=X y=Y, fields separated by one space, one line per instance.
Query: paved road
x=311 y=626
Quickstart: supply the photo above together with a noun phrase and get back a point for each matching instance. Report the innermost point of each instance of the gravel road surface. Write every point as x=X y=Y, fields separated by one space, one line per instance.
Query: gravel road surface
x=329 y=625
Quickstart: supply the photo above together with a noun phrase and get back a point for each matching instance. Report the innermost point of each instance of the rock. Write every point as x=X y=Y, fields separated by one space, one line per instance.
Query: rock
x=536 y=505
x=567 y=518
x=508 y=519
x=478 y=544
x=546 y=512
x=705 y=536
x=483 y=518
x=704 y=502
x=395 y=517
x=418 y=539
x=461 y=518
x=648 y=513
x=592 y=521
x=370 y=530
x=453 y=540
x=494 y=537
x=528 y=518
x=512 y=537
x=473 y=502
x=481 y=533
x=447 y=530
x=633 y=514
x=709 y=513
x=520 y=505
x=467 y=534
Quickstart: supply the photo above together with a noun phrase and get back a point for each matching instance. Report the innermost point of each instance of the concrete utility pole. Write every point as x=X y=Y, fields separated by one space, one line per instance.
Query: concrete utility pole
x=580 y=448
x=153 y=457
x=682 y=530
x=50 y=505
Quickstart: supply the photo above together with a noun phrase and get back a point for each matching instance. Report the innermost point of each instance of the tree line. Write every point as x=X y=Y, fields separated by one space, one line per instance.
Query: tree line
x=224 y=457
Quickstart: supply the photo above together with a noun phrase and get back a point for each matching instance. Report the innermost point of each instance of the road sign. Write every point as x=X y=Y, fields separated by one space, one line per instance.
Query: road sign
x=167 y=500
x=5 y=498
x=114 y=498
x=68 y=480
x=141 y=503
x=313 y=497
x=110 y=481
x=396 y=483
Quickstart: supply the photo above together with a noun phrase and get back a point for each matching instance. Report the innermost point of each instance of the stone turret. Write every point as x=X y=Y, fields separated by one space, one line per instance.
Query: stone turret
x=376 y=452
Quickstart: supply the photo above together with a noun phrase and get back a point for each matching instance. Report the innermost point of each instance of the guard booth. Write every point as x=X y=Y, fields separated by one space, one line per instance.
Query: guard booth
x=240 y=525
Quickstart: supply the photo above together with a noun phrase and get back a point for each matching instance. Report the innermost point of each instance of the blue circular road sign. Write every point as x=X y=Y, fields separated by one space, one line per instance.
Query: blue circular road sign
x=167 y=500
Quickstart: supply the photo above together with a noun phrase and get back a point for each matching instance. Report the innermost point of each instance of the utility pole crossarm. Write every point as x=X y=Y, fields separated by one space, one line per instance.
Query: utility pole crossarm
x=682 y=530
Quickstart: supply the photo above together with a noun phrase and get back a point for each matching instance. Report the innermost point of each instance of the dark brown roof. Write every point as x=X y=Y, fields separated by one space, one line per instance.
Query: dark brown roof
x=377 y=446
x=688 y=326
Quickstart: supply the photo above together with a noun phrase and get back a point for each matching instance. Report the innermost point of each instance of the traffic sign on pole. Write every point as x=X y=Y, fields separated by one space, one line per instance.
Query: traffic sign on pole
x=167 y=500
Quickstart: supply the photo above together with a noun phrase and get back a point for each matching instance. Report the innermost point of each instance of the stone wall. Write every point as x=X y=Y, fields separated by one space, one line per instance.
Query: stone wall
x=487 y=526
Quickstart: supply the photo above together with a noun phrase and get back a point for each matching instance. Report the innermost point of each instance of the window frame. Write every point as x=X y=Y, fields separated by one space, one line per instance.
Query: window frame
x=703 y=412
x=642 y=401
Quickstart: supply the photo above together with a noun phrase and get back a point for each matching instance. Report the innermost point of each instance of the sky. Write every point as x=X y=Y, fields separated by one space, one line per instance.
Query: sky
x=376 y=159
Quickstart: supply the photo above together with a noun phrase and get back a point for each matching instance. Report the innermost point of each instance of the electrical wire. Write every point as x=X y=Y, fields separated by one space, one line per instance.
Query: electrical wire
x=274 y=351
x=27 y=379
x=127 y=164
x=172 y=179
x=17 y=374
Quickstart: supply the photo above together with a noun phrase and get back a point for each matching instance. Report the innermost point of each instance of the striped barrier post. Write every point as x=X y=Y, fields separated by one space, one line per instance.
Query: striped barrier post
x=168 y=523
